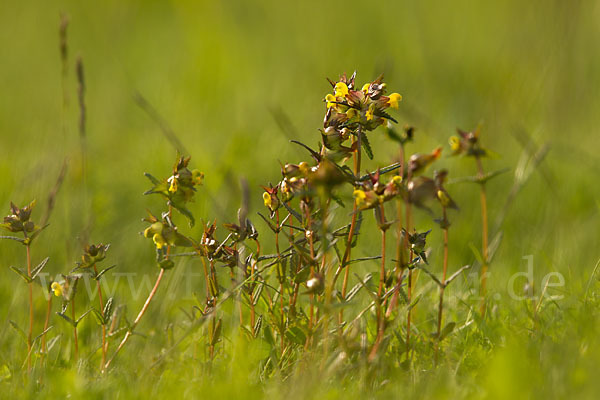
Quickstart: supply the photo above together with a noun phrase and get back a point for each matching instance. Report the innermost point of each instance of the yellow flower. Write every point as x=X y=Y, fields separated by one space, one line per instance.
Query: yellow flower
x=159 y=241
x=443 y=197
x=267 y=200
x=397 y=180
x=365 y=87
x=173 y=186
x=370 y=112
x=341 y=89
x=57 y=288
x=360 y=196
x=395 y=98
x=330 y=99
x=454 y=143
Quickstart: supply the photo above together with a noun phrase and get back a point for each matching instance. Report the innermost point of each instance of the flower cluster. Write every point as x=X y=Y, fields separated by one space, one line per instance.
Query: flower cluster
x=19 y=219
x=348 y=107
x=467 y=143
x=93 y=254
x=373 y=192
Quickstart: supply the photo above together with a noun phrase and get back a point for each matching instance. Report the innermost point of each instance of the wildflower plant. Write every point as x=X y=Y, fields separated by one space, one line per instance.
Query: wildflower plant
x=289 y=280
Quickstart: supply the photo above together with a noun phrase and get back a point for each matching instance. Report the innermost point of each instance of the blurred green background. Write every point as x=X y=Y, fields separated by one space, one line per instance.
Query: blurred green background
x=223 y=75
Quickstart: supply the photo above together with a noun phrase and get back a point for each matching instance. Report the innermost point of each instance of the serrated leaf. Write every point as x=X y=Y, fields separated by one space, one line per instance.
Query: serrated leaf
x=367 y=146
x=18 y=239
x=39 y=268
x=108 y=309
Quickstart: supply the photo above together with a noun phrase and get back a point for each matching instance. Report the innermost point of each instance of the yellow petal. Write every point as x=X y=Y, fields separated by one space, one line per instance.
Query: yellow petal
x=57 y=288
x=394 y=99
x=341 y=89
x=267 y=200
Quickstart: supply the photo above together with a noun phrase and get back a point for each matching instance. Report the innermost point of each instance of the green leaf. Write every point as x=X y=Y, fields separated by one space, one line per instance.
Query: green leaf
x=185 y=212
x=19 y=330
x=99 y=318
x=39 y=268
x=367 y=146
x=22 y=274
x=476 y=253
x=268 y=335
x=302 y=275
x=108 y=309
x=152 y=178
x=37 y=232
x=258 y=325
x=216 y=333
x=18 y=239
x=5 y=374
x=183 y=241
x=447 y=330
x=105 y=270
x=292 y=211
x=84 y=315
x=354 y=291
x=296 y=335
x=42 y=334
x=66 y=318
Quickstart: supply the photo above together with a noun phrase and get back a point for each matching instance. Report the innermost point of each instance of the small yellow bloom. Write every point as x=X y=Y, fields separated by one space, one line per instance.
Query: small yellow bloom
x=330 y=99
x=173 y=186
x=267 y=200
x=159 y=241
x=148 y=232
x=397 y=180
x=360 y=196
x=57 y=288
x=395 y=98
x=454 y=143
x=366 y=87
x=341 y=89
x=443 y=197
x=370 y=112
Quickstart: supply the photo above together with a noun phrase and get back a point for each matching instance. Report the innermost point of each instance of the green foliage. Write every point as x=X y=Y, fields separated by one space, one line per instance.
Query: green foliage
x=216 y=86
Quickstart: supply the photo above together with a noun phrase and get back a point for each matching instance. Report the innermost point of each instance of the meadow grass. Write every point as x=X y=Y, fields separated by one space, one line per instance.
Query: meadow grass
x=231 y=84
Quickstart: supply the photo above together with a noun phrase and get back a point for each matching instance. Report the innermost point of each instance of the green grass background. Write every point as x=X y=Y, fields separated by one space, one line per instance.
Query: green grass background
x=219 y=73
